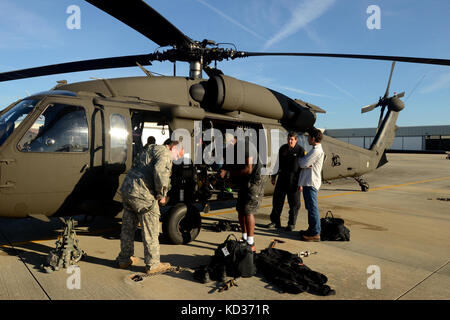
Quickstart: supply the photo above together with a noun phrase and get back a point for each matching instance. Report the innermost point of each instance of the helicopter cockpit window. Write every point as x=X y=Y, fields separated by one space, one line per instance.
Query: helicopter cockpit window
x=119 y=135
x=61 y=128
x=11 y=119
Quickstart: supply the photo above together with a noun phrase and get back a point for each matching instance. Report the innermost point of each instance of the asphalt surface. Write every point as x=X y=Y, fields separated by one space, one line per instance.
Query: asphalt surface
x=399 y=247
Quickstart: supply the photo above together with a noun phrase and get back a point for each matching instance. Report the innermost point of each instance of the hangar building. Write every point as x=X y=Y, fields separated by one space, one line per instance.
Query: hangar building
x=423 y=138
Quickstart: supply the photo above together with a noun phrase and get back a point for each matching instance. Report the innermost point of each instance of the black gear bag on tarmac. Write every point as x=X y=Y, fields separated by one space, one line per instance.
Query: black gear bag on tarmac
x=287 y=272
x=333 y=229
x=237 y=256
x=232 y=258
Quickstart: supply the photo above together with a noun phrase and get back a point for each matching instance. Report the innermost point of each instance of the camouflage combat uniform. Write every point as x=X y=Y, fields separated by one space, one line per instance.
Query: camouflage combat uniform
x=144 y=185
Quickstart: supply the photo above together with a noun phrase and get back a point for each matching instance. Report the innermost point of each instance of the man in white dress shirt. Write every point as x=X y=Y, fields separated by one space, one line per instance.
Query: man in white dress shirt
x=309 y=182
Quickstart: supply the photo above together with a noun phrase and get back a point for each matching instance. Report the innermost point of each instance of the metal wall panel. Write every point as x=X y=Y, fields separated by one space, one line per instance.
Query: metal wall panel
x=357 y=141
x=412 y=143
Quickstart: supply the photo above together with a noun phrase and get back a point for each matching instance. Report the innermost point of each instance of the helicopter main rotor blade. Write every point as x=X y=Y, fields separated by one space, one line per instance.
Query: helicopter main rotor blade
x=369 y=107
x=386 y=94
x=85 y=65
x=144 y=19
x=442 y=62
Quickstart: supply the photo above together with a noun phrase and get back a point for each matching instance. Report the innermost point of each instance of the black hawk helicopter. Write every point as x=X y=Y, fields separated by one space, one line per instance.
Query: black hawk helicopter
x=66 y=151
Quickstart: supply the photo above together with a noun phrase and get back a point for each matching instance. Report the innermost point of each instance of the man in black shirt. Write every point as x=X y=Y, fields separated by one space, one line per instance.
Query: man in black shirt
x=287 y=184
x=251 y=189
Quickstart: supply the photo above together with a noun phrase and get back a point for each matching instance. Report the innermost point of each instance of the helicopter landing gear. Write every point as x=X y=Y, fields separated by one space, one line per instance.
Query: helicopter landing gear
x=182 y=223
x=66 y=252
x=362 y=183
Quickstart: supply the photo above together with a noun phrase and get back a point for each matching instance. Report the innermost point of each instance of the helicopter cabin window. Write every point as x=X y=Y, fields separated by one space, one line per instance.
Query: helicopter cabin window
x=119 y=136
x=156 y=130
x=148 y=127
x=60 y=128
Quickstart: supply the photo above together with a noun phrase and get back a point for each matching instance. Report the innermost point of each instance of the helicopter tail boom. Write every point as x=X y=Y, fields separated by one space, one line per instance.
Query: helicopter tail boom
x=384 y=137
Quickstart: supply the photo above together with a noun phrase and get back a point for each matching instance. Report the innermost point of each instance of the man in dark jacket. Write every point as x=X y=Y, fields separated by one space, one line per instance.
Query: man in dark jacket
x=288 y=173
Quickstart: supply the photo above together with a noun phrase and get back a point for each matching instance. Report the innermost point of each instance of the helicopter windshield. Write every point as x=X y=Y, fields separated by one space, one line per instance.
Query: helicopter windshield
x=12 y=118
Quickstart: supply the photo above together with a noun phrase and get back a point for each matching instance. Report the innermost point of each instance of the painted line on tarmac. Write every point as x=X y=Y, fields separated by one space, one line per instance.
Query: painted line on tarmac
x=25 y=242
x=386 y=187
x=420 y=282
x=341 y=194
x=80 y=233
x=11 y=245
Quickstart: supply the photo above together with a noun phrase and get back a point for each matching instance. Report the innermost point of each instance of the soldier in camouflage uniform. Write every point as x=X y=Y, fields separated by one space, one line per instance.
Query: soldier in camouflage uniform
x=145 y=188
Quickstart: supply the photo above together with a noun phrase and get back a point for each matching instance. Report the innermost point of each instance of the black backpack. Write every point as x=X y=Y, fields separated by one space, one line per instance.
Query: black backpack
x=232 y=258
x=287 y=272
x=333 y=229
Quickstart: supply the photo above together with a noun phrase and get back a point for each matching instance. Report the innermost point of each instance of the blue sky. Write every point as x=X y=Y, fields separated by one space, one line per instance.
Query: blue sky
x=34 y=33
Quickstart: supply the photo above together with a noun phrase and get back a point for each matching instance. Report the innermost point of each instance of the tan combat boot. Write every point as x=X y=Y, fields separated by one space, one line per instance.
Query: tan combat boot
x=159 y=268
x=130 y=262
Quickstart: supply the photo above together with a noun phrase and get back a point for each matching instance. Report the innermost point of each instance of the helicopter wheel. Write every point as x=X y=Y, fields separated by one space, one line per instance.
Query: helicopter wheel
x=183 y=224
x=362 y=183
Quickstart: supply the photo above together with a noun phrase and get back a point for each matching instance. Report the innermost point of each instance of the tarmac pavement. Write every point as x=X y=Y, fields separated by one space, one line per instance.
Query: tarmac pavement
x=400 y=229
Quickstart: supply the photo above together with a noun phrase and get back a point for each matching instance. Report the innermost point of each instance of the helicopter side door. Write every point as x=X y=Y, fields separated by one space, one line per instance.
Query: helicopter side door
x=96 y=193
x=110 y=156
x=50 y=155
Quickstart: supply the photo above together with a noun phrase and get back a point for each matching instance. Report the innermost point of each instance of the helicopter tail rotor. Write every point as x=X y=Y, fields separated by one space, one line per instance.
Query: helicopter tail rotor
x=393 y=103
x=368 y=108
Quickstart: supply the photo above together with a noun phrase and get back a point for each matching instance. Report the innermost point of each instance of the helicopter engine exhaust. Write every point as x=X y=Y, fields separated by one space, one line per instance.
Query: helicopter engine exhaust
x=226 y=94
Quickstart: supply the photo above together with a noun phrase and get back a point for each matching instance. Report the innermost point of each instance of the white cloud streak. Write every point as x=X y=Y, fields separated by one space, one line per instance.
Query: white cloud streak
x=442 y=82
x=299 y=91
x=225 y=16
x=314 y=37
x=306 y=12
x=342 y=90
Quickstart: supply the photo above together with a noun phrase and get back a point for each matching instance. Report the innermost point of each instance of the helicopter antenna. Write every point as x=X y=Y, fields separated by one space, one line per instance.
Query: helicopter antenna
x=418 y=83
x=148 y=73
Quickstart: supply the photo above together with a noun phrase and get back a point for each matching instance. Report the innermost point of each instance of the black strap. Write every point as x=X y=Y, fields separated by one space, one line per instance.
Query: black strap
x=232 y=234
x=329 y=212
